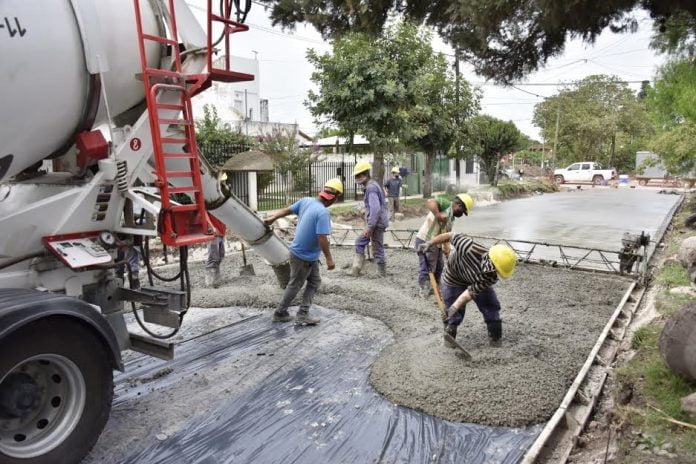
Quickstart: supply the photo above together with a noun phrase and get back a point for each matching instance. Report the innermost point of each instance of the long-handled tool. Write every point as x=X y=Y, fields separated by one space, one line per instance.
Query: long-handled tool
x=441 y=305
x=247 y=269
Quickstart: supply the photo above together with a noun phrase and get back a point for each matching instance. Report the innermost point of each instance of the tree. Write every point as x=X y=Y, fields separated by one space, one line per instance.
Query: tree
x=440 y=113
x=526 y=142
x=672 y=105
x=209 y=129
x=490 y=139
x=372 y=86
x=216 y=143
x=291 y=161
x=600 y=119
x=503 y=39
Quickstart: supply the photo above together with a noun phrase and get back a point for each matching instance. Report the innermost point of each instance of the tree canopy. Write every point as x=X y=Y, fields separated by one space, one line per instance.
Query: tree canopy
x=490 y=139
x=444 y=105
x=502 y=39
x=388 y=88
x=672 y=105
x=600 y=119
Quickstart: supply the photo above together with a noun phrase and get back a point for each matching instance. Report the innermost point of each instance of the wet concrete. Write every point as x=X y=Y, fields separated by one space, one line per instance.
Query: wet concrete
x=551 y=320
x=587 y=217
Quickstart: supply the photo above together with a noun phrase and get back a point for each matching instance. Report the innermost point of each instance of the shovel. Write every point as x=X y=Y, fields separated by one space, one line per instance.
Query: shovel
x=247 y=269
x=441 y=305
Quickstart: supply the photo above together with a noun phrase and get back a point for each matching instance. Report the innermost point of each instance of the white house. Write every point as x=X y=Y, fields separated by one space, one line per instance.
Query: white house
x=464 y=172
x=239 y=104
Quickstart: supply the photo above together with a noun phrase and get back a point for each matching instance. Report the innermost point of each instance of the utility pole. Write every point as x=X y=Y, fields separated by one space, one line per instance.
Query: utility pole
x=555 y=137
x=458 y=149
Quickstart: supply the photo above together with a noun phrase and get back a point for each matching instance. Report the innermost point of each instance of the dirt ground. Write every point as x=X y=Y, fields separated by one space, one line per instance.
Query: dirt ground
x=551 y=320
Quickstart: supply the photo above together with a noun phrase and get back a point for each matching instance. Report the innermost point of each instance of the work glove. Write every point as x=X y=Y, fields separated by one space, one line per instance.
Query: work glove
x=423 y=248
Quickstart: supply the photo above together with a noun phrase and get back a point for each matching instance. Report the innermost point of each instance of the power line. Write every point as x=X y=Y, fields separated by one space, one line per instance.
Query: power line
x=526 y=91
x=550 y=84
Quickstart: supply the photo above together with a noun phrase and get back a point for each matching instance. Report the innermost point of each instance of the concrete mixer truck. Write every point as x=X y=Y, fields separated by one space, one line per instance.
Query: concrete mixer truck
x=105 y=88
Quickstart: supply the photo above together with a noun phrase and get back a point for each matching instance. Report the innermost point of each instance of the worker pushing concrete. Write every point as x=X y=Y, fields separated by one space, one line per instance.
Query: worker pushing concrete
x=470 y=274
x=377 y=218
x=311 y=239
x=392 y=188
x=439 y=220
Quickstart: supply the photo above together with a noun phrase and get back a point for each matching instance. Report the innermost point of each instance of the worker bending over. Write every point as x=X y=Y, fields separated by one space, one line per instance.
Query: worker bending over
x=377 y=218
x=439 y=220
x=311 y=238
x=470 y=274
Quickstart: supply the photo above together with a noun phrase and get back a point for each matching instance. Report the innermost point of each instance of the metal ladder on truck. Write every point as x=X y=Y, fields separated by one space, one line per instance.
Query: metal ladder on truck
x=182 y=224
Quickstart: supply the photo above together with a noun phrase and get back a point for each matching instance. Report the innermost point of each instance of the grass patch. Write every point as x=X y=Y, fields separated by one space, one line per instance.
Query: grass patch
x=508 y=190
x=668 y=303
x=678 y=230
x=645 y=336
x=672 y=275
x=646 y=375
x=653 y=383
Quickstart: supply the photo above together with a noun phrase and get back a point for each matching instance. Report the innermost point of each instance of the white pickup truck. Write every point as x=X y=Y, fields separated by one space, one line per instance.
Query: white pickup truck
x=585 y=171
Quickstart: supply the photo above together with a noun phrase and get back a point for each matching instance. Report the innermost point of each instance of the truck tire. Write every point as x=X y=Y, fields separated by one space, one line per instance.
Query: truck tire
x=56 y=387
x=643 y=182
x=559 y=179
x=598 y=179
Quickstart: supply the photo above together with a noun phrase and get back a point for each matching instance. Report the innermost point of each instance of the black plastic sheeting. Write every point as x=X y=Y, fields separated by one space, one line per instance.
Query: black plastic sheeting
x=321 y=410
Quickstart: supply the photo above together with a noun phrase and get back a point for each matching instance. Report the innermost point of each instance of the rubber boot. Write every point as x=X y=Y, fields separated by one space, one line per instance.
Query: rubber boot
x=216 y=278
x=495 y=333
x=358 y=261
x=450 y=335
x=135 y=283
x=382 y=269
x=282 y=316
x=303 y=317
x=209 y=277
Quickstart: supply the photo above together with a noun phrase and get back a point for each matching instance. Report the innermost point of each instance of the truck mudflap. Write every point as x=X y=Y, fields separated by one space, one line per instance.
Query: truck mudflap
x=19 y=307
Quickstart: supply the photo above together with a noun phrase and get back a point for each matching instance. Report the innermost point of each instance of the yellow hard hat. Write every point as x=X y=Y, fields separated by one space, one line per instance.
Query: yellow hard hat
x=335 y=184
x=361 y=167
x=504 y=259
x=468 y=202
x=395 y=170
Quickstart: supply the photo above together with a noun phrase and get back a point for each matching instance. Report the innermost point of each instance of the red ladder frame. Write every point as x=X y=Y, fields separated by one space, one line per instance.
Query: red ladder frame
x=178 y=225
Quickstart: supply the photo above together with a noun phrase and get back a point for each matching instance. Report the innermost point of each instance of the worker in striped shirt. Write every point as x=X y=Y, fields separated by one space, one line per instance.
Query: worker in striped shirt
x=470 y=274
x=439 y=220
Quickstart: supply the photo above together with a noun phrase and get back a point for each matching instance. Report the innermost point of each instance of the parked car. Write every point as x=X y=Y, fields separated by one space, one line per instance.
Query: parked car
x=585 y=171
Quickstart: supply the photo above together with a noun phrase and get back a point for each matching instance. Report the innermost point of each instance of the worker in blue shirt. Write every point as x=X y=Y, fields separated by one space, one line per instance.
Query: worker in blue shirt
x=377 y=218
x=311 y=239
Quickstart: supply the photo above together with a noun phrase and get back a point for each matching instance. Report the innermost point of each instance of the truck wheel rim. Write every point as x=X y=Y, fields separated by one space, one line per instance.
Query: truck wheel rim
x=47 y=411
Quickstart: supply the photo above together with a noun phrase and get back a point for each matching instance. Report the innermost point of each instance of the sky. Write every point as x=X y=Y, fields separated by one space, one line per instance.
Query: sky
x=285 y=72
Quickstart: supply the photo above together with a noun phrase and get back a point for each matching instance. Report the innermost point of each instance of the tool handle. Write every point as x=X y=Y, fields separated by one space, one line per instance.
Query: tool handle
x=436 y=291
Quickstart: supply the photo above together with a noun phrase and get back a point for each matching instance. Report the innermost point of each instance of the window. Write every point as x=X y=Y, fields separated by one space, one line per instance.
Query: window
x=469 y=167
x=586 y=166
x=574 y=167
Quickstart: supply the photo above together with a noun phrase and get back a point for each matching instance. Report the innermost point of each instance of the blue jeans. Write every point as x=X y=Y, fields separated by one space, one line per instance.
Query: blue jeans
x=300 y=272
x=486 y=302
x=434 y=258
x=377 y=240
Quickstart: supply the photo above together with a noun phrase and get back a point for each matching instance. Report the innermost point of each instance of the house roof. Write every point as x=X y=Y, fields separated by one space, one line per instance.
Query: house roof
x=249 y=161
